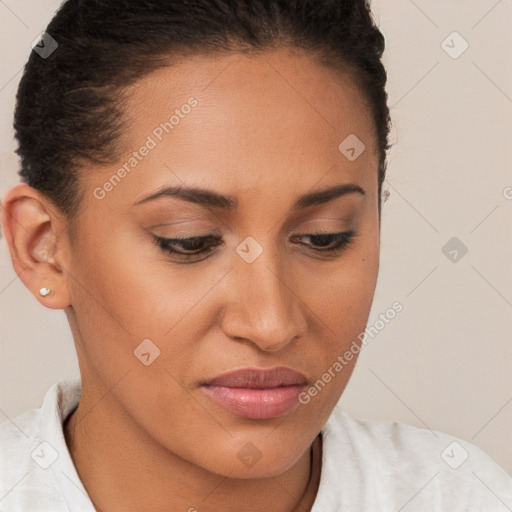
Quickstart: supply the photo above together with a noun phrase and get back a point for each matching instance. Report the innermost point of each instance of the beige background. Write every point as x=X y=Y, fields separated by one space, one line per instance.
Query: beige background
x=445 y=361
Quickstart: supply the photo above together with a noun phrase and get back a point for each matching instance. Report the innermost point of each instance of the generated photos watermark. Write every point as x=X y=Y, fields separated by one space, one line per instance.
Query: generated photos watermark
x=343 y=360
x=157 y=135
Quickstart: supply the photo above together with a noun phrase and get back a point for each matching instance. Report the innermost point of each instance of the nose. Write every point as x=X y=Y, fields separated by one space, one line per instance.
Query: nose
x=265 y=308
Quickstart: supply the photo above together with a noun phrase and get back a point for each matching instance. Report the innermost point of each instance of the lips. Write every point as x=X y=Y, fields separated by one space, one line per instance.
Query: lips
x=257 y=394
x=252 y=378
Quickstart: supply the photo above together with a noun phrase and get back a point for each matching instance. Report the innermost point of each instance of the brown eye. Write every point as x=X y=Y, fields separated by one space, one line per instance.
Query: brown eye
x=327 y=242
x=187 y=248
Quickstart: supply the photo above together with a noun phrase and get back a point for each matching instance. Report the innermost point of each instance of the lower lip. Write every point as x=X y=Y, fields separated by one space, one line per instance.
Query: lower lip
x=257 y=404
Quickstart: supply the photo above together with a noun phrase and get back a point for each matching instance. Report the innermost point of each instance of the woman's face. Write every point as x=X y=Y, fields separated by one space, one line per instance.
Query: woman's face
x=154 y=327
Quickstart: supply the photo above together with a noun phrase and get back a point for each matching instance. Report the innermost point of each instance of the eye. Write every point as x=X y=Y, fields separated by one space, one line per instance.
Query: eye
x=188 y=248
x=330 y=243
x=197 y=246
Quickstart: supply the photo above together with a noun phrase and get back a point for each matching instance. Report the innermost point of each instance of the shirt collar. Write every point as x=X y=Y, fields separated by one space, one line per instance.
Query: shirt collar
x=61 y=399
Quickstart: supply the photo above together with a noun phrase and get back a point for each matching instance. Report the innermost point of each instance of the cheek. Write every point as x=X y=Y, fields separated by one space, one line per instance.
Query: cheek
x=125 y=292
x=340 y=303
x=128 y=282
x=342 y=294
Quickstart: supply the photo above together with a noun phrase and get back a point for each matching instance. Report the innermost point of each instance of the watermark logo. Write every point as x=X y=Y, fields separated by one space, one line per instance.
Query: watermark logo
x=351 y=147
x=146 y=352
x=249 y=455
x=455 y=455
x=454 y=249
x=44 y=455
x=249 y=249
x=44 y=45
x=454 y=45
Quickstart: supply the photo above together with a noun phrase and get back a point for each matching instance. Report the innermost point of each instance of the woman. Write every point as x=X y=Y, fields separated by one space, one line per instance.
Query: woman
x=202 y=196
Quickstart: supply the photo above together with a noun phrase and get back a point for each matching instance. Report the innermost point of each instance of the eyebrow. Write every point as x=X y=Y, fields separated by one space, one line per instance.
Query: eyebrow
x=205 y=197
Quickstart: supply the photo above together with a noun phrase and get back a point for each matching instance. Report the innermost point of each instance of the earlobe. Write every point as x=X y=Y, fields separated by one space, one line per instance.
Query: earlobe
x=31 y=228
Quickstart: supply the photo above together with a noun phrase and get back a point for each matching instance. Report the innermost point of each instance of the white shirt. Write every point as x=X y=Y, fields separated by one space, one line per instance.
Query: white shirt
x=367 y=465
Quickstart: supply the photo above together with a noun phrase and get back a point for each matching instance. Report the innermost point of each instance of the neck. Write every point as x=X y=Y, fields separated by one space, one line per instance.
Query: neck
x=123 y=469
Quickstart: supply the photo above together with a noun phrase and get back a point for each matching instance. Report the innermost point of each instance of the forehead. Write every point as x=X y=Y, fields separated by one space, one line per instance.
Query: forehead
x=272 y=121
x=234 y=90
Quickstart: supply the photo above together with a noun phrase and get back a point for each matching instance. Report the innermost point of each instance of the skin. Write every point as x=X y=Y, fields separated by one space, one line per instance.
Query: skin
x=266 y=129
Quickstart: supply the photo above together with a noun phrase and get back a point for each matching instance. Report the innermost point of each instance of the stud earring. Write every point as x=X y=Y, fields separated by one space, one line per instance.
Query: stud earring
x=44 y=292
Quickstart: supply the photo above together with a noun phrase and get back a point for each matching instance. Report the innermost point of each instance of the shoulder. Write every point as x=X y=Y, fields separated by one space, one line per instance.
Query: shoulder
x=19 y=436
x=24 y=479
x=28 y=455
x=402 y=462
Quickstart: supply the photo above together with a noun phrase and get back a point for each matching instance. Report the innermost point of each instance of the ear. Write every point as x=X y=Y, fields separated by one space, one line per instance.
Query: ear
x=35 y=233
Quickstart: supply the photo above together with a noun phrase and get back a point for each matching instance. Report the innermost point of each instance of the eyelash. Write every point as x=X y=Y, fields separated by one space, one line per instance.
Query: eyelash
x=341 y=239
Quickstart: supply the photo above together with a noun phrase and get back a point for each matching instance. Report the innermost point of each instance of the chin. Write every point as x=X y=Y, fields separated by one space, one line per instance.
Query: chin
x=247 y=459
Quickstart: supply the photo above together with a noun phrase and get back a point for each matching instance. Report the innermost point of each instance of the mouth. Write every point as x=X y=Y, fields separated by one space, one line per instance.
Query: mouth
x=257 y=394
